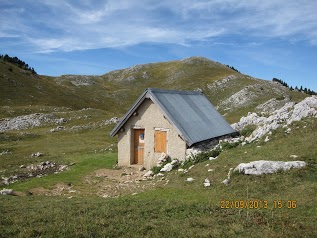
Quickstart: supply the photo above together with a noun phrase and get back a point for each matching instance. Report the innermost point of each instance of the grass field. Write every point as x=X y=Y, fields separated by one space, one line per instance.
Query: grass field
x=177 y=209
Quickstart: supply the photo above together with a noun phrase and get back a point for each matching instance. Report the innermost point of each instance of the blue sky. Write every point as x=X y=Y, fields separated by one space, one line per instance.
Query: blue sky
x=264 y=39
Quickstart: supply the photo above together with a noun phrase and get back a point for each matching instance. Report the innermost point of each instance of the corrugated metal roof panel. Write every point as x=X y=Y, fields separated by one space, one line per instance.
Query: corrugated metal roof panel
x=193 y=114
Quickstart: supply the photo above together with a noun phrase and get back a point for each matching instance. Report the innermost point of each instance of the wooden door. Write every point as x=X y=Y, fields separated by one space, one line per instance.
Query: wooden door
x=138 y=146
x=160 y=141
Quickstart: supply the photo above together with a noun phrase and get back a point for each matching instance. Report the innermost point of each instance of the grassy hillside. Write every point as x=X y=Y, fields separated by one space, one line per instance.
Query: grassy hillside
x=174 y=207
x=116 y=91
x=91 y=198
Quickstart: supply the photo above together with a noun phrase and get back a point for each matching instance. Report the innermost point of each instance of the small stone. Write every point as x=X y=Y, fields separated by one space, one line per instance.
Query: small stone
x=148 y=174
x=174 y=162
x=294 y=156
x=226 y=181
x=160 y=175
x=212 y=158
x=192 y=166
x=168 y=167
x=210 y=170
x=267 y=139
x=142 y=169
x=190 y=180
x=207 y=183
x=37 y=154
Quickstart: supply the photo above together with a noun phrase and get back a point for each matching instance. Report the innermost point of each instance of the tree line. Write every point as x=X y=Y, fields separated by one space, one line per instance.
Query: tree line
x=233 y=68
x=16 y=61
x=301 y=89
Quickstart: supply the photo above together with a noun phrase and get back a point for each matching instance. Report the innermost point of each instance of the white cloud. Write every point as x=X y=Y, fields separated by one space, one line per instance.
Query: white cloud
x=65 y=26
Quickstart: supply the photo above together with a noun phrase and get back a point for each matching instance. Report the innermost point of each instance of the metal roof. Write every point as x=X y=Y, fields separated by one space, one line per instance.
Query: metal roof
x=192 y=114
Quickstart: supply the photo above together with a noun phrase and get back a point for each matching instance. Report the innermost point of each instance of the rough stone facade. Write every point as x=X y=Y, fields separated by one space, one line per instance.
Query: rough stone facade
x=150 y=118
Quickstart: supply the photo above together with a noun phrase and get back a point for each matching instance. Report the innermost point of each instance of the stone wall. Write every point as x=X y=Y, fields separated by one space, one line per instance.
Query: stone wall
x=149 y=117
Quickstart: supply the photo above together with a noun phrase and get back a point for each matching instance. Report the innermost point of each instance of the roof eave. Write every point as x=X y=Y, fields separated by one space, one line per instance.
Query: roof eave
x=126 y=117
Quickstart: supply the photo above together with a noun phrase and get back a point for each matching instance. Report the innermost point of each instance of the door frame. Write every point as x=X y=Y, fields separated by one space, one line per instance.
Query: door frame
x=135 y=160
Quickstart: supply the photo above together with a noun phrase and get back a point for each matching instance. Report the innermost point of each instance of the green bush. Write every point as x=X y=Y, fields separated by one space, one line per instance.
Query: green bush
x=227 y=145
x=200 y=157
x=247 y=131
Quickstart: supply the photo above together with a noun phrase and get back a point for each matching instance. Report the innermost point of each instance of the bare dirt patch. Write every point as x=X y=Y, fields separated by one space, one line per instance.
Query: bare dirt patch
x=124 y=181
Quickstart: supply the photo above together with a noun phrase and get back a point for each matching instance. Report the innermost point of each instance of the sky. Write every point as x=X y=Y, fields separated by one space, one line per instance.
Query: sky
x=263 y=39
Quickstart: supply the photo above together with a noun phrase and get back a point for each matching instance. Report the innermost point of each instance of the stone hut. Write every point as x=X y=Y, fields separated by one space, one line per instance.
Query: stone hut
x=166 y=122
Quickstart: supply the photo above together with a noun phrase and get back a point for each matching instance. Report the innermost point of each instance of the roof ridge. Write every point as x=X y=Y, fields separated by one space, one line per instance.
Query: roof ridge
x=157 y=90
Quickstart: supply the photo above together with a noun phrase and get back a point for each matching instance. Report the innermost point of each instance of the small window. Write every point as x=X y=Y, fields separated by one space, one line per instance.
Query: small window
x=160 y=141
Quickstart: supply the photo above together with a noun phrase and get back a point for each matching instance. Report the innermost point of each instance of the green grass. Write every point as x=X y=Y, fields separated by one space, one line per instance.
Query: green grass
x=84 y=165
x=180 y=209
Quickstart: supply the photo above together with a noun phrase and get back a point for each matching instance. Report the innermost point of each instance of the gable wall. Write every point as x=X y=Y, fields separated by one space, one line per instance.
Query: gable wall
x=149 y=117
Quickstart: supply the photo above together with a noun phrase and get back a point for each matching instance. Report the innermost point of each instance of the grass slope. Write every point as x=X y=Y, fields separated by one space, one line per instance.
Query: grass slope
x=179 y=209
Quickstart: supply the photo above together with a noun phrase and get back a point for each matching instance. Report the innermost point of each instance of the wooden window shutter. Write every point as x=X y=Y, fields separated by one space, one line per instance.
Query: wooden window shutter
x=160 y=141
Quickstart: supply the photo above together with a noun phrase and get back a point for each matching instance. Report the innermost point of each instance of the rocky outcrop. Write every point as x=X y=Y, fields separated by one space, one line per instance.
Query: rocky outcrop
x=283 y=116
x=29 y=121
x=34 y=170
x=268 y=167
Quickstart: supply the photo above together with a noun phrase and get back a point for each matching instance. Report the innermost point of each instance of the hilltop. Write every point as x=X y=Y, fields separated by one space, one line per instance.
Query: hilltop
x=231 y=92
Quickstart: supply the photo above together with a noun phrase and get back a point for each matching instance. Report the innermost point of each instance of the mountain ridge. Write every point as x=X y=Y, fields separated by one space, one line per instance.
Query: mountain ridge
x=116 y=90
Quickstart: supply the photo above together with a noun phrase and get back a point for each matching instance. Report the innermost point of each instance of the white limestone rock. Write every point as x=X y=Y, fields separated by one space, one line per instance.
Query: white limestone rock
x=267 y=167
x=207 y=183
x=6 y=191
x=281 y=117
x=226 y=181
x=167 y=168
x=190 y=180
x=148 y=174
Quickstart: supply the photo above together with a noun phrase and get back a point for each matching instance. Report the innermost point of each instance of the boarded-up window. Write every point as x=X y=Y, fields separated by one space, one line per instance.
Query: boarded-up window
x=160 y=141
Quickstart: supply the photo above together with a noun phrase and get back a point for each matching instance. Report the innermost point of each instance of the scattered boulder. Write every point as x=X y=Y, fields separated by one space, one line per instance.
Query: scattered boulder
x=58 y=128
x=267 y=167
x=37 y=154
x=148 y=174
x=167 y=168
x=6 y=152
x=6 y=191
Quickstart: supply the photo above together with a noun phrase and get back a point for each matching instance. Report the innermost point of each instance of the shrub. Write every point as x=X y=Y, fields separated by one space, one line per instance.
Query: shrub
x=228 y=145
x=247 y=131
x=156 y=169
x=200 y=157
